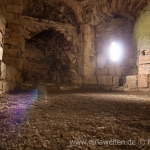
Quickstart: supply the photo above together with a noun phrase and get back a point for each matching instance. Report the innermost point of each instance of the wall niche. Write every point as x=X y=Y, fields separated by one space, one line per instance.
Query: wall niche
x=50 y=58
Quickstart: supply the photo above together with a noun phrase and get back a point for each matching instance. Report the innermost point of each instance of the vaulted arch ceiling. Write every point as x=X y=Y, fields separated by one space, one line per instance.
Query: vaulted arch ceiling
x=32 y=27
x=57 y=11
x=99 y=10
x=83 y=11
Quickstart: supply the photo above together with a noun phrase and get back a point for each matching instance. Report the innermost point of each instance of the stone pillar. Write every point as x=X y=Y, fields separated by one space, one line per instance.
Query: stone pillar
x=14 y=46
x=2 y=32
x=1 y=56
x=9 y=76
x=142 y=35
x=88 y=54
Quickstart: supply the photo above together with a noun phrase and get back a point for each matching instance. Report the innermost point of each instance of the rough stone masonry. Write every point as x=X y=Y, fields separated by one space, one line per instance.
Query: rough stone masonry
x=66 y=43
x=10 y=76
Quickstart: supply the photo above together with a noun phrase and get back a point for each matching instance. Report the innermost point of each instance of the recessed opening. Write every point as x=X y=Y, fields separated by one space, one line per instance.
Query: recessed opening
x=115 y=51
x=143 y=52
x=121 y=82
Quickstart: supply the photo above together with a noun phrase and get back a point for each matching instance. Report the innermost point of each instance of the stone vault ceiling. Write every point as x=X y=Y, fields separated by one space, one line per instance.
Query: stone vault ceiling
x=56 y=11
x=33 y=26
x=82 y=11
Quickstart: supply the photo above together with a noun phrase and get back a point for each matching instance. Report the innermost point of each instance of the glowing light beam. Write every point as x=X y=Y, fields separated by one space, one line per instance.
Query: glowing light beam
x=115 y=51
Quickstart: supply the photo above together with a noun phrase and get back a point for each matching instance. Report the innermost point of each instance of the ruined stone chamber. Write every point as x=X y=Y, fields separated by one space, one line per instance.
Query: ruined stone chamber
x=62 y=63
x=67 y=43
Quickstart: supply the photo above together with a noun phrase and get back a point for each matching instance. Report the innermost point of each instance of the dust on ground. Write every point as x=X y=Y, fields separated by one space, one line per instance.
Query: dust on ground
x=74 y=120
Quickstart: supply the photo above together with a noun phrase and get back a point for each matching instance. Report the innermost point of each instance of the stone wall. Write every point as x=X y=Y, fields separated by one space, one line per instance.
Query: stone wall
x=74 y=48
x=109 y=74
x=10 y=77
x=98 y=70
x=88 y=49
x=53 y=55
x=2 y=21
x=142 y=35
x=83 y=58
x=14 y=41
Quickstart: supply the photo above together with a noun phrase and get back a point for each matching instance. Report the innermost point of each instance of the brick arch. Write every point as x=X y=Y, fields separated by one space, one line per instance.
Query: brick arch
x=76 y=8
x=33 y=27
x=95 y=12
x=58 y=11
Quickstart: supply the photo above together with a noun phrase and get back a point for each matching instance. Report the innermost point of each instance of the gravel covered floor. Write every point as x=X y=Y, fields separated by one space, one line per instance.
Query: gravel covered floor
x=85 y=120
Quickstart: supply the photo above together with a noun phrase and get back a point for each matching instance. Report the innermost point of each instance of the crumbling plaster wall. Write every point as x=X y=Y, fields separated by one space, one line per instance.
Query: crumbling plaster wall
x=10 y=76
x=142 y=35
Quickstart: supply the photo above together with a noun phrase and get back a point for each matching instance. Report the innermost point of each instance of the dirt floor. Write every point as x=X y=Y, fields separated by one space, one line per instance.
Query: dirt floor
x=85 y=120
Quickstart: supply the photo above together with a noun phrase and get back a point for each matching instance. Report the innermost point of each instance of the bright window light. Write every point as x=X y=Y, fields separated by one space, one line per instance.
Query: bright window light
x=115 y=51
